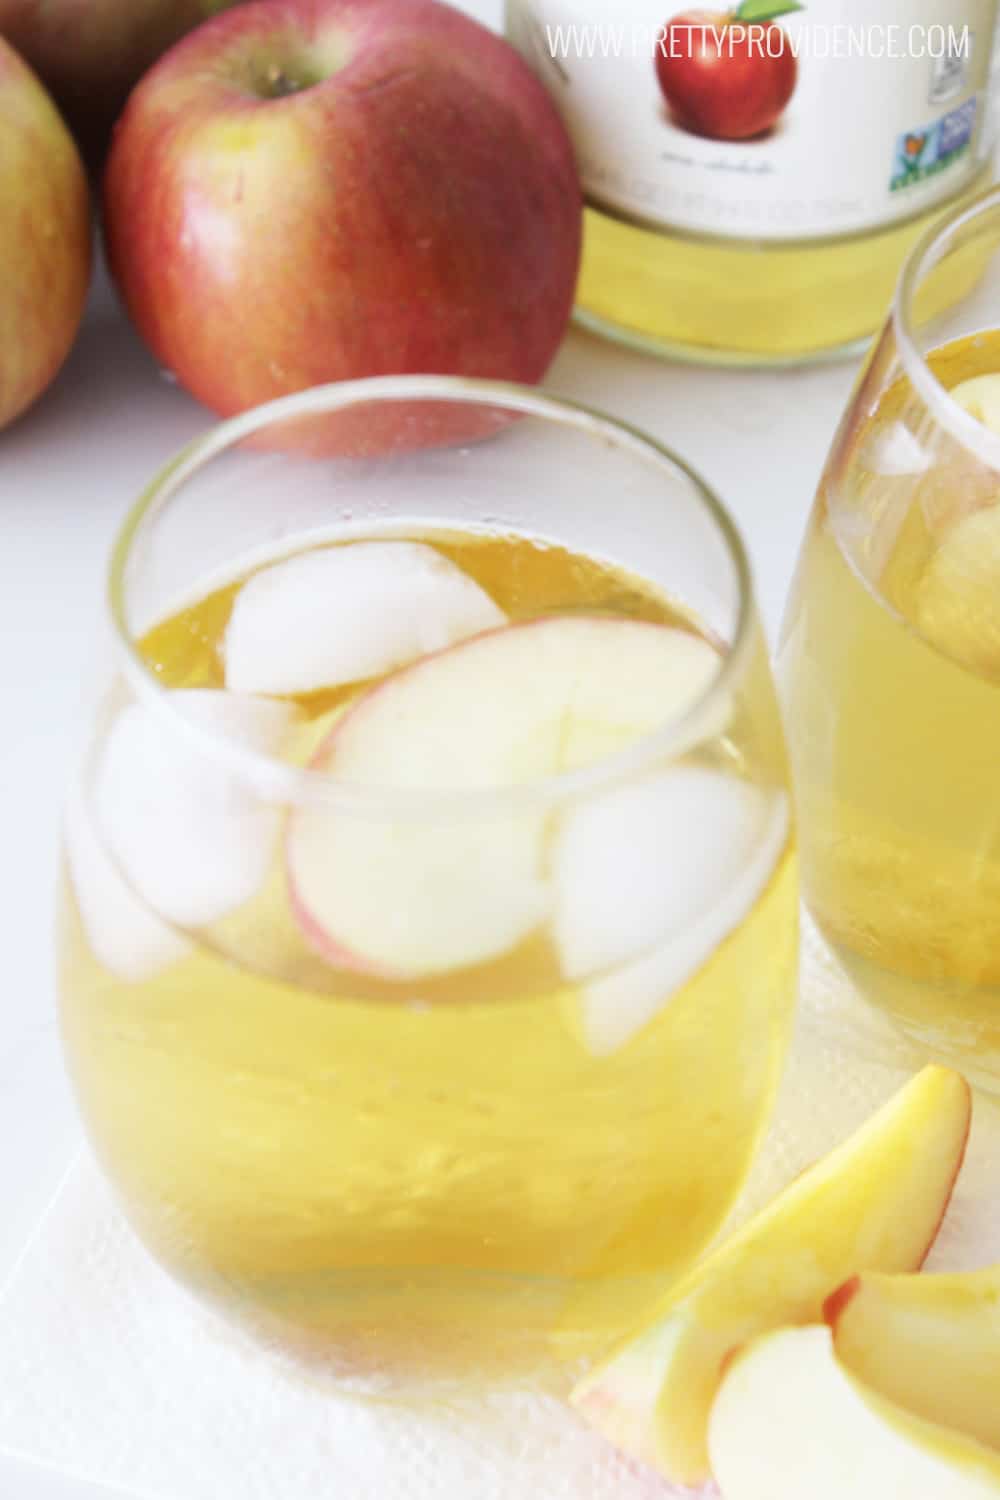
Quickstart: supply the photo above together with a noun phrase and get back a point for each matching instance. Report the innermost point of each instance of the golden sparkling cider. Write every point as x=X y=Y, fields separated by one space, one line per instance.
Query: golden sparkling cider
x=891 y=661
x=396 y=1158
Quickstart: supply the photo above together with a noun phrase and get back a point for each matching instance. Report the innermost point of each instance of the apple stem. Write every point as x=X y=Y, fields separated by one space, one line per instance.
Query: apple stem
x=763 y=11
x=280 y=84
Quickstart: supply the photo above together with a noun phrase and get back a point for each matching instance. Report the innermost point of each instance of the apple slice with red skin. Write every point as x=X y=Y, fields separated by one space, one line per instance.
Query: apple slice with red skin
x=928 y=1343
x=876 y=1202
x=418 y=892
x=791 y=1422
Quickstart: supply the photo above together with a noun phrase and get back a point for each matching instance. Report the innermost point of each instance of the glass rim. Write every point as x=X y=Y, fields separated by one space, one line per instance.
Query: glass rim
x=925 y=255
x=276 y=779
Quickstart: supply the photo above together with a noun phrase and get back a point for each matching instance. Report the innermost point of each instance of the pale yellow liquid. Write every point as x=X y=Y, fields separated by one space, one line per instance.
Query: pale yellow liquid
x=736 y=301
x=892 y=687
x=452 y=1189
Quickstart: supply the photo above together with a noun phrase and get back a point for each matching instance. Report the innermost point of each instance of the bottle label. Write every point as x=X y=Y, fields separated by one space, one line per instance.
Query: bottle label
x=773 y=120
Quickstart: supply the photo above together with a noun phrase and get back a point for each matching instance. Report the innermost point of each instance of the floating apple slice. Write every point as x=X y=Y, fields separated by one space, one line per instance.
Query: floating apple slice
x=191 y=837
x=958 y=595
x=346 y=613
x=653 y=876
x=790 y=1423
x=123 y=934
x=874 y=1203
x=980 y=397
x=430 y=892
x=929 y=1343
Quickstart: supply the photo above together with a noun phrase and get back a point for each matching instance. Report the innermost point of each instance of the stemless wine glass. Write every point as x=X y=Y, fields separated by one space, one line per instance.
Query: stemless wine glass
x=890 y=662
x=429 y=926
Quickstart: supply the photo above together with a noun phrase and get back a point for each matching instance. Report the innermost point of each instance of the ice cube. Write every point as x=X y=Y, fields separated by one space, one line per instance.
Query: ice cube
x=347 y=613
x=123 y=934
x=649 y=879
x=647 y=859
x=257 y=723
x=194 y=839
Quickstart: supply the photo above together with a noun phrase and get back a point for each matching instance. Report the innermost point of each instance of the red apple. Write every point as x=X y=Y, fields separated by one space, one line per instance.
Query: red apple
x=723 y=77
x=305 y=191
x=44 y=237
x=89 y=53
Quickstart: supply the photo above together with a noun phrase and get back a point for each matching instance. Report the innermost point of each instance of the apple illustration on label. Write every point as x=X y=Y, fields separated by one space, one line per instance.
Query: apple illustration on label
x=728 y=75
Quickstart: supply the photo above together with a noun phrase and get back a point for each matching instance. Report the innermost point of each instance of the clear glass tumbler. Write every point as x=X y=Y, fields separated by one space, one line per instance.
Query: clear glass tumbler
x=428 y=942
x=890 y=662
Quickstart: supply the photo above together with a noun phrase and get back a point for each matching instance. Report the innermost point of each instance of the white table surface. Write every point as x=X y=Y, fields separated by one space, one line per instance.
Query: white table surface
x=68 y=472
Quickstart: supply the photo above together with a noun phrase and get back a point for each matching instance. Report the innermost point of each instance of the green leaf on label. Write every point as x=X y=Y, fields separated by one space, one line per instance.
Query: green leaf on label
x=765 y=10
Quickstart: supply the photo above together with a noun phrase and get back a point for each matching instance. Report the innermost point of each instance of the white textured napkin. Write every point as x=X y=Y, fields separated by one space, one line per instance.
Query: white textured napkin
x=108 y=1371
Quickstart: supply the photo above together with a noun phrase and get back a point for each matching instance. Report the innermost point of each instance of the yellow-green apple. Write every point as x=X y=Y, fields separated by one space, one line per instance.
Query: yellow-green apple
x=791 y=1422
x=44 y=237
x=874 y=1203
x=89 y=53
x=307 y=190
x=929 y=1343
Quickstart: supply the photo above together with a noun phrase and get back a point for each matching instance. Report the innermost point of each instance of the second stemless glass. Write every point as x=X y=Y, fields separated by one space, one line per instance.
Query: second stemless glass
x=429 y=922
x=891 y=663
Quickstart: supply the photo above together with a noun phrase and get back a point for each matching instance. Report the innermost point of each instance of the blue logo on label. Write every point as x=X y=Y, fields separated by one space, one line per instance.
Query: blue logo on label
x=922 y=152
